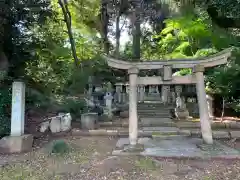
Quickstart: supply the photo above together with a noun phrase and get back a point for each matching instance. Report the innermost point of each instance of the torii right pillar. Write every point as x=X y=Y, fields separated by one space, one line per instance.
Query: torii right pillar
x=203 y=106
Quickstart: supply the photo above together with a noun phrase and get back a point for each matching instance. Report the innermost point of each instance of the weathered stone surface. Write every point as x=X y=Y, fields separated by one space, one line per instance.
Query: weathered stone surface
x=155 y=121
x=55 y=125
x=66 y=122
x=186 y=132
x=234 y=125
x=182 y=147
x=124 y=114
x=216 y=125
x=220 y=134
x=235 y=134
x=181 y=114
x=44 y=126
x=196 y=133
x=16 y=144
x=125 y=141
x=89 y=121
x=188 y=124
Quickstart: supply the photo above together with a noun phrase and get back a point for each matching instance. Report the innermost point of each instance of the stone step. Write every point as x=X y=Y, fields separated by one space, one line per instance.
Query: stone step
x=153 y=105
x=157 y=132
x=146 y=121
x=155 y=116
x=154 y=113
x=154 y=110
x=147 y=132
x=168 y=122
x=140 y=124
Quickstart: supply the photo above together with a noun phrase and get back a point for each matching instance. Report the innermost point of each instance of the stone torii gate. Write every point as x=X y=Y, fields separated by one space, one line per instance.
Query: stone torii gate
x=198 y=65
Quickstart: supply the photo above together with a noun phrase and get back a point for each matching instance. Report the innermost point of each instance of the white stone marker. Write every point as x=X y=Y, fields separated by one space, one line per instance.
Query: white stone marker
x=119 y=91
x=202 y=104
x=133 y=118
x=108 y=103
x=141 y=94
x=210 y=106
x=18 y=109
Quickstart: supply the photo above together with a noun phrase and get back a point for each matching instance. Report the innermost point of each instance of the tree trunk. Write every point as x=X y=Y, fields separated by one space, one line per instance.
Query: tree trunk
x=104 y=22
x=136 y=42
x=118 y=34
x=223 y=108
x=136 y=32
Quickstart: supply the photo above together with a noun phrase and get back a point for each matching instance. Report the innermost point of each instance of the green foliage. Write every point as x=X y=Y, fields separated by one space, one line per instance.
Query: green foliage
x=75 y=106
x=5 y=107
x=59 y=147
x=36 y=99
x=183 y=72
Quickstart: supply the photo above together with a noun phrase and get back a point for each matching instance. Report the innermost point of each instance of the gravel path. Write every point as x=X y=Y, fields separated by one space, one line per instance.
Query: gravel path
x=90 y=159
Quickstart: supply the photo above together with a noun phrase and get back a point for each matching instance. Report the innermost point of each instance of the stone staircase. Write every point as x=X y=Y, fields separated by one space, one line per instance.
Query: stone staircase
x=154 y=113
x=156 y=120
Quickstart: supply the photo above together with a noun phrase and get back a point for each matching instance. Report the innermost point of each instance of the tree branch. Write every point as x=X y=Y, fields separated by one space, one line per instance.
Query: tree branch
x=67 y=18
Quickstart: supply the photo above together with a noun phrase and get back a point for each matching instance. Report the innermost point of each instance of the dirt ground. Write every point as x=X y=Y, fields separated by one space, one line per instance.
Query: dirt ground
x=90 y=159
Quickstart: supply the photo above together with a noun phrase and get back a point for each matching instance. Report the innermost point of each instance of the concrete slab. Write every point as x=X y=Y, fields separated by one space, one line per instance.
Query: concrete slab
x=183 y=147
x=125 y=141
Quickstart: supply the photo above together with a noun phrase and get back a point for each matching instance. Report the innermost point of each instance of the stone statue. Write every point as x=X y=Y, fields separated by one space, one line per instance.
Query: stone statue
x=181 y=111
x=178 y=101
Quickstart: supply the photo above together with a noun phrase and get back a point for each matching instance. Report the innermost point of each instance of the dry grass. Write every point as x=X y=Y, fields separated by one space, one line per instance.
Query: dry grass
x=90 y=158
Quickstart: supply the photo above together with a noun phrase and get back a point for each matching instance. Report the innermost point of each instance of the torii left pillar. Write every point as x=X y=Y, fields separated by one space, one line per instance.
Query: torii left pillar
x=133 y=117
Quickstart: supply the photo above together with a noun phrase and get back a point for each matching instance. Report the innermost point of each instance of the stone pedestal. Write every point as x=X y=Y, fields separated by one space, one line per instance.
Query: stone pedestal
x=133 y=118
x=16 y=144
x=202 y=104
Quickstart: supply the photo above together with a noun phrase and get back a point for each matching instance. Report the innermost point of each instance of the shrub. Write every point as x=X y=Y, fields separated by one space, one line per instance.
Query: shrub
x=60 y=147
x=5 y=113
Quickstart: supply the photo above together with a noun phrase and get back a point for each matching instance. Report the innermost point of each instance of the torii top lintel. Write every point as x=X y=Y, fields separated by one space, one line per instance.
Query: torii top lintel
x=210 y=61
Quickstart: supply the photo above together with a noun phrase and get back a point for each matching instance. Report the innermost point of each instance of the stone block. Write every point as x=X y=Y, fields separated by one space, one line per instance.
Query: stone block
x=16 y=144
x=124 y=114
x=188 y=124
x=220 y=134
x=185 y=132
x=55 y=125
x=196 y=133
x=216 y=125
x=235 y=134
x=182 y=114
x=89 y=121
x=234 y=125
